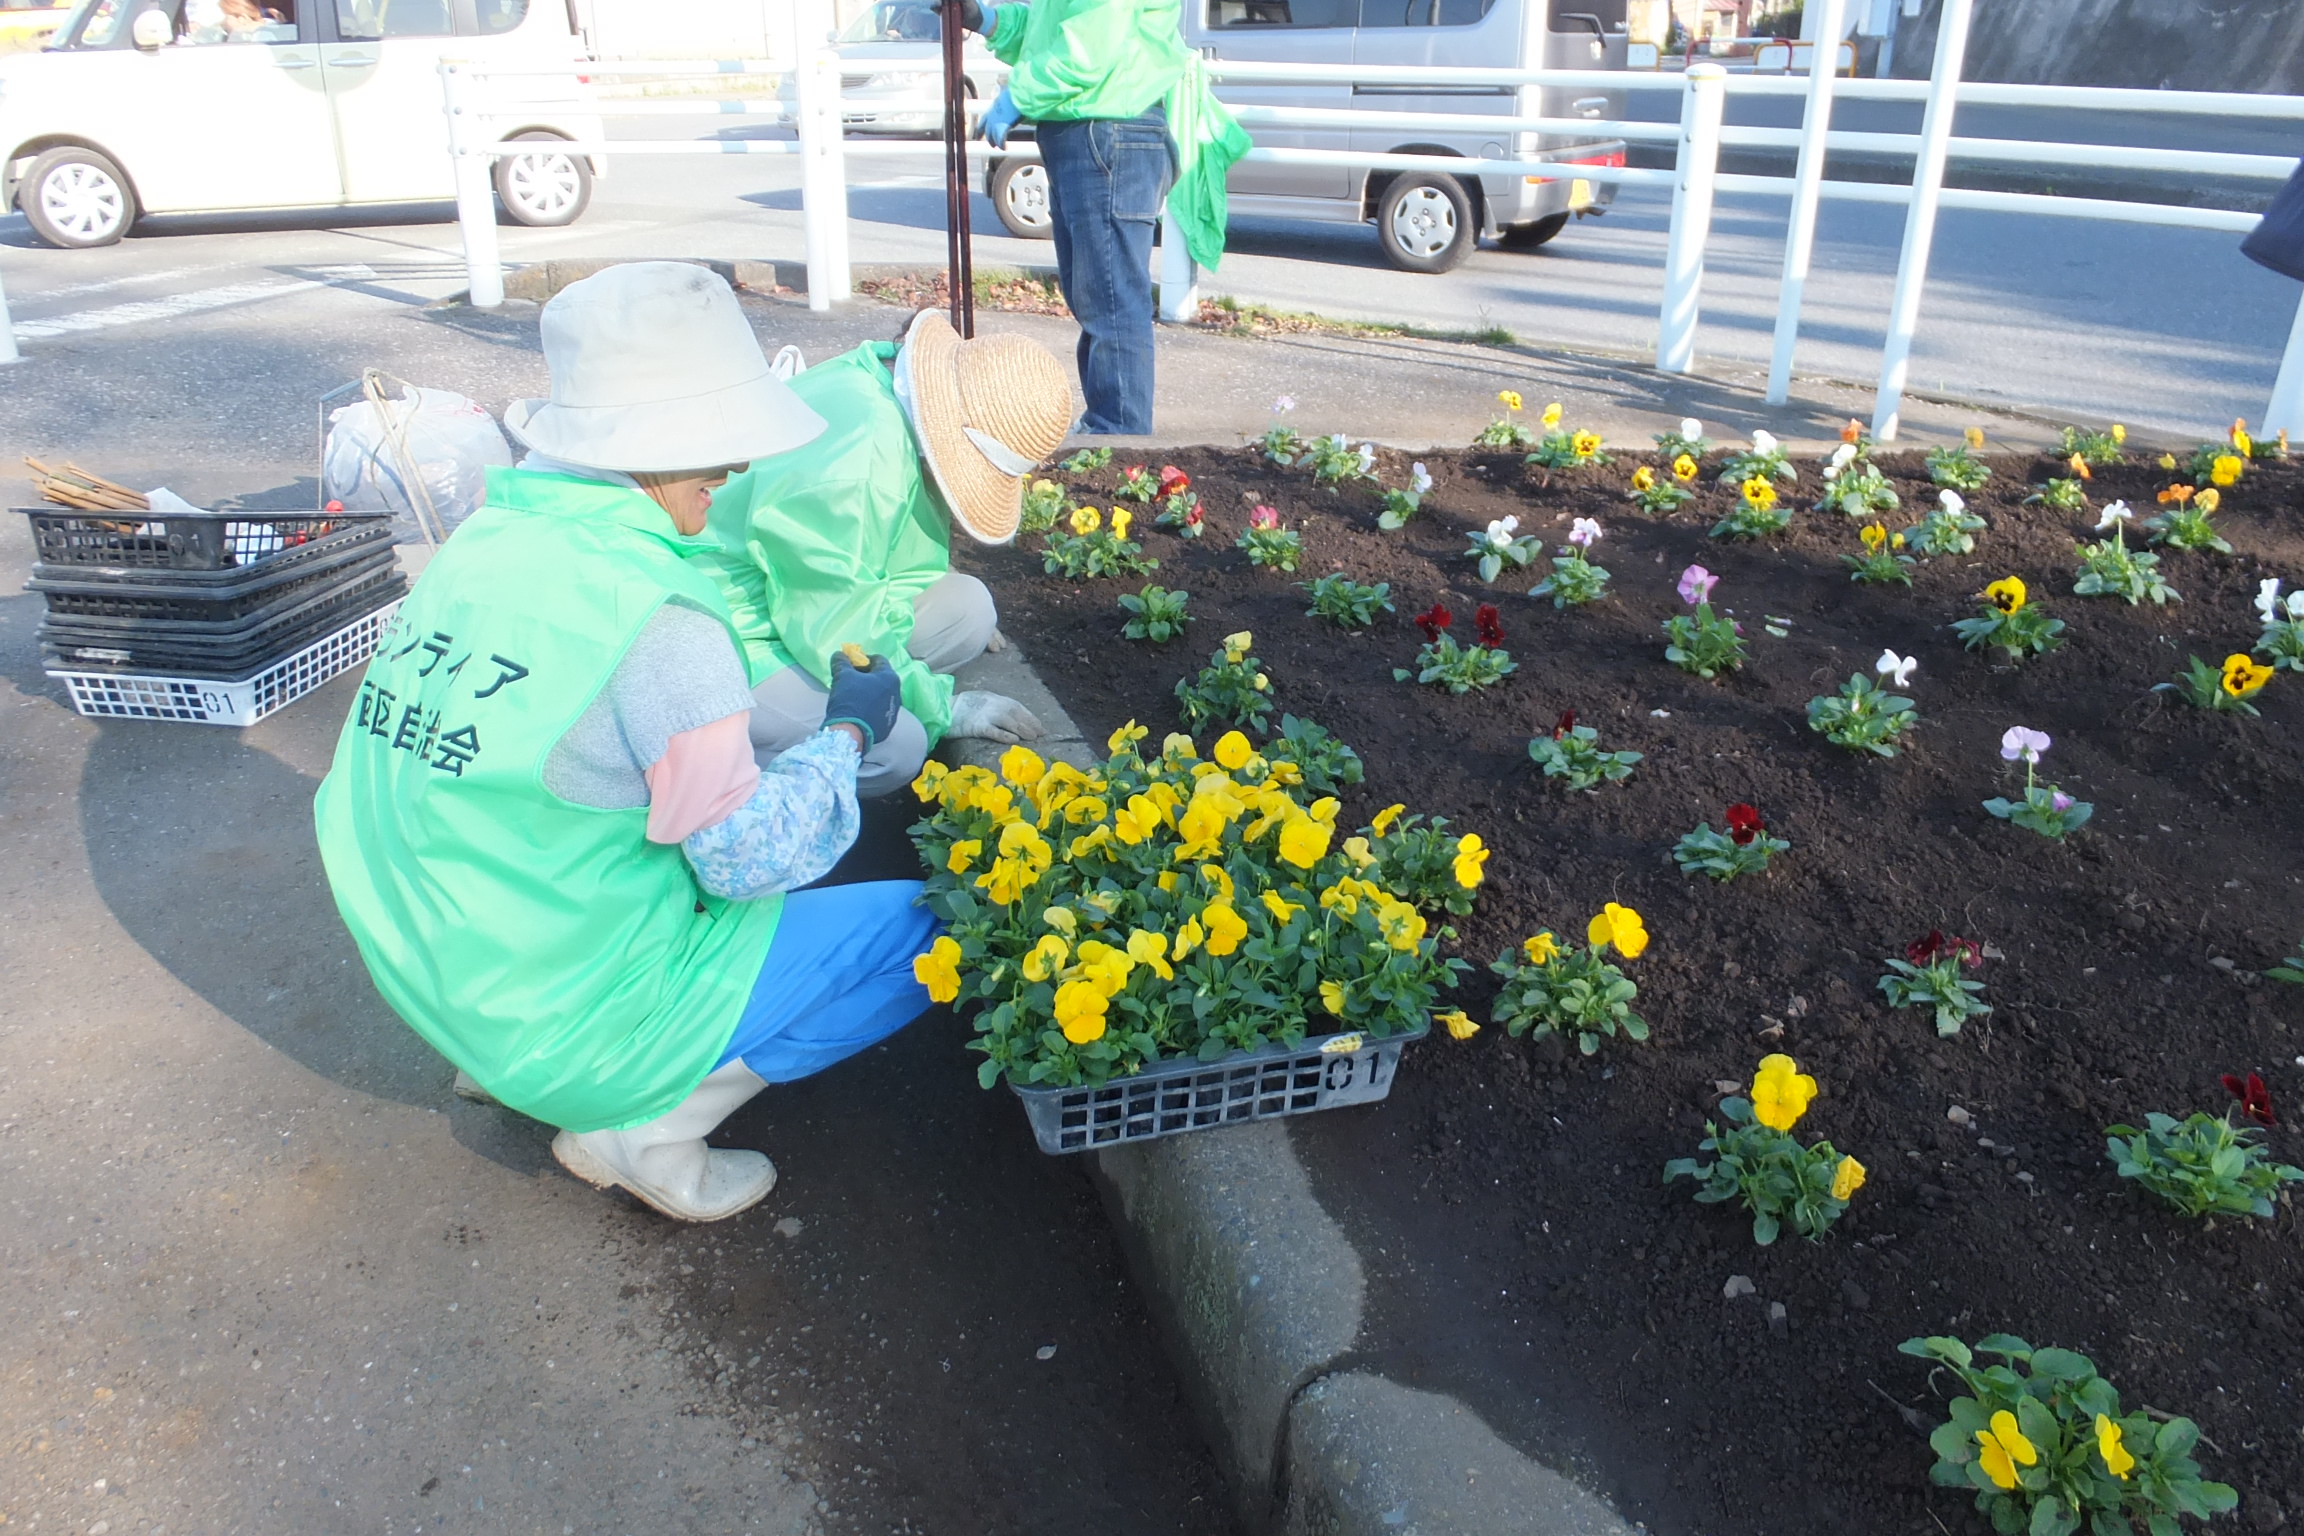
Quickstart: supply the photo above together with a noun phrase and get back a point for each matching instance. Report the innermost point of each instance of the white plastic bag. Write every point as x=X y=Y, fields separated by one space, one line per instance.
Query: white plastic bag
x=424 y=458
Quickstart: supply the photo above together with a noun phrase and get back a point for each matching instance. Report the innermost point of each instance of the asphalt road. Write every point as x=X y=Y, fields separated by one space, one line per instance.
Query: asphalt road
x=2083 y=319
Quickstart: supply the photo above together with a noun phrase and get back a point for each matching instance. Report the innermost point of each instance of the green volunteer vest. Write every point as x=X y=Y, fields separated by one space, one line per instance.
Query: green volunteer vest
x=549 y=949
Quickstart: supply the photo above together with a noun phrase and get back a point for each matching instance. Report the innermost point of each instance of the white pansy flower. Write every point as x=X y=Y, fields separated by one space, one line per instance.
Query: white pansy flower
x=1691 y=428
x=2114 y=515
x=1950 y=501
x=1897 y=669
x=1842 y=455
x=1419 y=478
x=1500 y=532
x=1763 y=443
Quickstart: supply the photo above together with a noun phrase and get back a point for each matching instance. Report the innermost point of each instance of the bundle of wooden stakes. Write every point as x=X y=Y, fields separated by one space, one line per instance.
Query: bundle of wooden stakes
x=74 y=487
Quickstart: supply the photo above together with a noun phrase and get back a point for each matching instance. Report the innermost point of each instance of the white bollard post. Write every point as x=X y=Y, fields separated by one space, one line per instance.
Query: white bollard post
x=1179 y=275
x=475 y=188
x=1704 y=97
x=2286 y=412
x=8 y=352
x=1807 y=184
x=1920 y=222
x=823 y=176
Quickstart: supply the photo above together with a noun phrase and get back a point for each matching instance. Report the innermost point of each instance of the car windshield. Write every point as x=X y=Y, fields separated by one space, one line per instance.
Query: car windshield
x=889 y=21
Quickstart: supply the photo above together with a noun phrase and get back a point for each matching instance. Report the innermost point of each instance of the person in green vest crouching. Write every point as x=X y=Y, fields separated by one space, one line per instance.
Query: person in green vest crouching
x=545 y=825
x=849 y=539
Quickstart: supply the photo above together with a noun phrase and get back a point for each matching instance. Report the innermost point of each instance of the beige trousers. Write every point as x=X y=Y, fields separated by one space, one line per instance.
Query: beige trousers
x=951 y=624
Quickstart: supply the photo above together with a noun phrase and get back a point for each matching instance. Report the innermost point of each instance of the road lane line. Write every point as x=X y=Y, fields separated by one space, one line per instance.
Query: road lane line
x=179 y=304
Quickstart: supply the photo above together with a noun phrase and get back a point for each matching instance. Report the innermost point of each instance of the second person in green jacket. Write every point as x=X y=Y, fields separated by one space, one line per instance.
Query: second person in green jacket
x=849 y=540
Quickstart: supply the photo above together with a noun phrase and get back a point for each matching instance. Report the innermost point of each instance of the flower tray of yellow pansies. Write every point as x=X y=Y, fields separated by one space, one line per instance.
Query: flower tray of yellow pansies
x=1156 y=944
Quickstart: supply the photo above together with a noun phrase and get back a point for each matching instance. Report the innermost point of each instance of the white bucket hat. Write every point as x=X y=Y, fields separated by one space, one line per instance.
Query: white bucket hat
x=654 y=367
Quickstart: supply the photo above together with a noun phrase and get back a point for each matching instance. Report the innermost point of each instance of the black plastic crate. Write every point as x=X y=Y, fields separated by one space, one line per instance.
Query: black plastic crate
x=161 y=647
x=77 y=593
x=208 y=541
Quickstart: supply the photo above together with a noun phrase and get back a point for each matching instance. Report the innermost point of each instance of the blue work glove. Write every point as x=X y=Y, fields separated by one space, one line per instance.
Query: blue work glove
x=867 y=699
x=976 y=16
x=1000 y=118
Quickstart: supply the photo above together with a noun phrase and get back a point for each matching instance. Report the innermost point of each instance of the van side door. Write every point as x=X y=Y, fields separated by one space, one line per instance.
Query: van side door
x=1448 y=34
x=1283 y=32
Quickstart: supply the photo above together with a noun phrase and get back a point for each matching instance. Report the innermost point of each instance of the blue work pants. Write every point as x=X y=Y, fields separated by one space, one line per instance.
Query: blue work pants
x=1107 y=182
x=838 y=978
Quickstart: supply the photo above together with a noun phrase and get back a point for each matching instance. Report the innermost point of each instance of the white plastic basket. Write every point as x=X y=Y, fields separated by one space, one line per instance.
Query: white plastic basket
x=123 y=696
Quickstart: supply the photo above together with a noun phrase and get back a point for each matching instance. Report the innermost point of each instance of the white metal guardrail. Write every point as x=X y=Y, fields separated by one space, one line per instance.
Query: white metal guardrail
x=1695 y=179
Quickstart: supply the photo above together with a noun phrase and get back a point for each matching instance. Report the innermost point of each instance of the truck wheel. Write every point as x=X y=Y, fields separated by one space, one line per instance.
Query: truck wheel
x=543 y=189
x=1020 y=196
x=76 y=198
x=1424 y=220
x=1526 y=237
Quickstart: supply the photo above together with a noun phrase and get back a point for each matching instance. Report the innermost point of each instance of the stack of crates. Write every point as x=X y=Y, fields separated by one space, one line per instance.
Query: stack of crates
x=216 y=618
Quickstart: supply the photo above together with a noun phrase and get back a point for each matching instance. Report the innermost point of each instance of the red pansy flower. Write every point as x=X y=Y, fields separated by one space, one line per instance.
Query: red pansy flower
x=1173 y=480
x=1261 y=516
x=2255 y=1099
x=1489 y=625
x=1744 y=823
x=1567 y=723
x=1433 y=620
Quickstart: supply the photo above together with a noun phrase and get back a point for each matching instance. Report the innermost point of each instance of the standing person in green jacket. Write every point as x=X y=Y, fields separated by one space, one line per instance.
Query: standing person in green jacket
x=1121 y=111
x=849 y=540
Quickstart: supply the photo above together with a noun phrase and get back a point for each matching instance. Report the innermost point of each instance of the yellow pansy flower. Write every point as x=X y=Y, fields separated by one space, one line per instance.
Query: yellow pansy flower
x=1084 y=811
x=2117 y=1459
x=1021 y=766
x=1781 y=1093
x=1189 y=937
x=1873 y=536
x=2242 y=443
x=1384 y=819
x=1179 y=746
x=1062 y=920
x=2002 y=1448
x=1542 y=949
x=2119 y=433
x=1080 y=1009
x=1510 y=397
x=1046 y=958
x=1127 y=736
x=1759 y=493
x=1303 y=841
x=1226 y=928
x=1280 y=906
x=1094 y=840
x=1238 y=645
x=1684 y=468
x=1280 y=771
x=1620 y=926
x=1232 y=751
x=1551 y=416
x=2208 y=500
x=931 y=780
x=1402 y=925
x=1847 y=1178
x=1585 y=444
x=939 y=969
x=2008 y=594
x=1104 y=965
x=1332 y=997
x=1323 y=811
x=2244 y=677
x=963 y=854
x=1470 y=856
x=2226 y=469
x=1151 y=950
x=1357 y=850
x=1137 y=820
x=1215 y=875
x=1121 y=518
x=1458 y=1024
x=1643 y=478
x=1166 y=880
x=2167 y=461
x=1262 y=682
x=1974 y=438
x=1086 y=520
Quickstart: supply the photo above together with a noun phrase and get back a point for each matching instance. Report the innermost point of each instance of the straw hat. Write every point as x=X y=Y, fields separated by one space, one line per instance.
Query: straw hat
x=985 y=413
x=654 y=367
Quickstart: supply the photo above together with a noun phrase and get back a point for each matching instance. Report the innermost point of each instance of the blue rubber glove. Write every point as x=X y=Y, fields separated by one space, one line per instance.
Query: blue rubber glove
x=867 y=699
x=1000 y=118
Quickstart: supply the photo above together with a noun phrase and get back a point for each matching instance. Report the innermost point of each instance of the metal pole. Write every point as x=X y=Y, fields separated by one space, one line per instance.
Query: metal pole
x=475 y=192
x=1704 y=97
x=2286 y=412
x=959 y=252
x=1807 y=191
x=8 y=352
x=1179 y=274
x=1920 y=223
x=823 y=187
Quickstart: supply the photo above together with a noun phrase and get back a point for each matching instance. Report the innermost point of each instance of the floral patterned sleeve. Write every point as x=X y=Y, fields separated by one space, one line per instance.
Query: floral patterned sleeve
x=793 y=829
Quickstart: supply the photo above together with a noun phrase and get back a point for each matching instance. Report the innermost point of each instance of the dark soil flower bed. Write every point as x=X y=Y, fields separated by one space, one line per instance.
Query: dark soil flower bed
x=1527 y=1255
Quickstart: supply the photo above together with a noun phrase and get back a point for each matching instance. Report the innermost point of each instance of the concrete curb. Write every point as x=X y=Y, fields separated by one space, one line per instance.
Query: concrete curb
x=1260 y=1295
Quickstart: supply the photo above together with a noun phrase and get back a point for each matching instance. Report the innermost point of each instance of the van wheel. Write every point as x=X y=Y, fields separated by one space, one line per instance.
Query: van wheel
x=1020 y=196
x=76 y=198
x=1526 y=237
x=543 y=189
x=1425 y=222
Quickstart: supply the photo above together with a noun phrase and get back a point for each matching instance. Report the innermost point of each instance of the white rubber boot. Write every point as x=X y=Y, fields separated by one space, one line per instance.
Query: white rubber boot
x=666 y=1163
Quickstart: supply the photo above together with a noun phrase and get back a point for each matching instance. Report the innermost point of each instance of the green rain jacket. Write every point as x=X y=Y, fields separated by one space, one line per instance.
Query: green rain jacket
x=1077 y=59
x=830 y=544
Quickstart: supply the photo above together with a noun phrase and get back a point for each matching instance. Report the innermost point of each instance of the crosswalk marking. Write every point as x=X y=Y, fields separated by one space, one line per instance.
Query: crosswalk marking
x=181 y=304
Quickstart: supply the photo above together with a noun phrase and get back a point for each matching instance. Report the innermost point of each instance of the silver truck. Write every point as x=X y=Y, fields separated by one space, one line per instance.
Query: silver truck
x=1426 y=221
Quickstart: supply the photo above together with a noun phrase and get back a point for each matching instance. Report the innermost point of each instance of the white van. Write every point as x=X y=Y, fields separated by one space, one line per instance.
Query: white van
x=205 y=106
x=1426 y=221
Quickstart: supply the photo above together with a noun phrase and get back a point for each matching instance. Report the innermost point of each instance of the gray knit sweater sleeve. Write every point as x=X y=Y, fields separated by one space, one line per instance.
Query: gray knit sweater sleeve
x=681 y=672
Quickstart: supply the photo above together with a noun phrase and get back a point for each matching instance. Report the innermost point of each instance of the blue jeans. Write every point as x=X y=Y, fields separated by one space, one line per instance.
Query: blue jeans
x=1107 y=182
x=838 y=978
